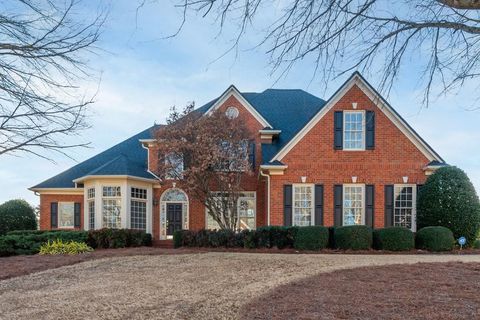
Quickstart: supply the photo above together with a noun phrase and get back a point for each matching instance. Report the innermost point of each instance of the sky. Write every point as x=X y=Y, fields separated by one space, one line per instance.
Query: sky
x=143 y=74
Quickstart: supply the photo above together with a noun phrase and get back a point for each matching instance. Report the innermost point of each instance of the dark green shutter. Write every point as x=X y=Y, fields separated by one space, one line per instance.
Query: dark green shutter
x=186 y=160
x=54 y=215
x=251 y=154
x=76 y=215
x=388 y=205
x=338 y=204
x=338 y=130
x=287 y=205
x=319 y=204
x=370 y=130
x=369 y=205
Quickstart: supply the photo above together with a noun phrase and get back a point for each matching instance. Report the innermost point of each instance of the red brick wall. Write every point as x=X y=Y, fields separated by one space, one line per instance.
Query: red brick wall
x=250 y=182
x=47 y=199
x=394 y=156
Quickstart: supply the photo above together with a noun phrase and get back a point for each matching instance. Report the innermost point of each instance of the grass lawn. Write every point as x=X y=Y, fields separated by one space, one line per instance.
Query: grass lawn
x=240 y=285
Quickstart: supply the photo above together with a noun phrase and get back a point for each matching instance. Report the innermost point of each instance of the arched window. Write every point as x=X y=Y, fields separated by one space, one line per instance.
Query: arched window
x=174 y=195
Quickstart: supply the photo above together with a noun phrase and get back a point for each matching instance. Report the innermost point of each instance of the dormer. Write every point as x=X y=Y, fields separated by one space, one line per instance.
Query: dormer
x=267 y=135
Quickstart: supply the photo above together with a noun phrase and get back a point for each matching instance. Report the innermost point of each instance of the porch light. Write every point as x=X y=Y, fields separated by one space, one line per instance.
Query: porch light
x=354 y=105
x=405 y=179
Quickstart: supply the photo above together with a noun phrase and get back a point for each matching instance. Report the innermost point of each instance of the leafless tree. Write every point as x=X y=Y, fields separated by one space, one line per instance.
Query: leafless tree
x=439 y=38
x=43 y=50
x=215 y=157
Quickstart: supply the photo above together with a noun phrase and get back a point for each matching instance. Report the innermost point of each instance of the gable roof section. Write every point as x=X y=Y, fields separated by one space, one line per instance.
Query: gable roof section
x=126 y=158
x=357 y=79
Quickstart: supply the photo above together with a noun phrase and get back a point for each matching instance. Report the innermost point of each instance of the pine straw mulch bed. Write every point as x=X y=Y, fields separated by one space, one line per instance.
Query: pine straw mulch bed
x=22 y=265
x=420 y=291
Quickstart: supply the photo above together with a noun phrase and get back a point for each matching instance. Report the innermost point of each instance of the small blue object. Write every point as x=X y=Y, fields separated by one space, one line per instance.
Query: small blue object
x=462 y=241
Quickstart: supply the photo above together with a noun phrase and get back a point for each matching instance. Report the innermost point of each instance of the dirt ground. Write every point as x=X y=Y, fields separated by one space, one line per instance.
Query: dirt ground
x=200 y=285
x=422 y=291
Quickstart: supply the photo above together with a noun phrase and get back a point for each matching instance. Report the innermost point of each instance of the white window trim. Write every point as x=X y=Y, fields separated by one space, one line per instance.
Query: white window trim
x=131 y=198
x=363 y=130
x=363 y=201
x=238 y=204
x=123 y=196
x=414 y=202
x=58 y=215
x=312 y=215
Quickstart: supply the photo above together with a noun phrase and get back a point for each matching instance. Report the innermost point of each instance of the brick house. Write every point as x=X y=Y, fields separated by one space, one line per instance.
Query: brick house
x=349 y=160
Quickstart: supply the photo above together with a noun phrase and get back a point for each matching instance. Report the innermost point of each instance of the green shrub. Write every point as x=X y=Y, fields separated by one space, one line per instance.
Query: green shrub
x=448 y=199
x=276 y=236
x=356 y=237
x=331 y=237
x=60 y=247
x=251 y=239
x=393 y=239
x=118 y=238
x=311 y=238
x=30 y=243
x=476 y=244
x=17 y=215
x=178 y=238
x=435 y=239
x=30 y=232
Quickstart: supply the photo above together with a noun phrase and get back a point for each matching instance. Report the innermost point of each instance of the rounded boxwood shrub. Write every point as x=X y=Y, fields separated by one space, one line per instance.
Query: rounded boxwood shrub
x=448 y=199
x=393 y=239
x=357 y=237
x=476 y=244
x=435 y=239
x=311 y=238
x=17 y=215
x=276 y=236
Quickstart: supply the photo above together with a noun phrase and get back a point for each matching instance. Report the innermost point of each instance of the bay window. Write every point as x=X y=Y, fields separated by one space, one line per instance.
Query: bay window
x=91 y=208
x=138 y=209
x=111 y=207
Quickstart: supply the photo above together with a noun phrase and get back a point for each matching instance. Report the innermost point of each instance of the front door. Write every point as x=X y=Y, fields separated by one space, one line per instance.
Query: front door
x=174 y=217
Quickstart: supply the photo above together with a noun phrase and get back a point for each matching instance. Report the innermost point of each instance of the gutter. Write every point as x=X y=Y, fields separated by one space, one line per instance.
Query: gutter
x=148 y=157
x=268 y=194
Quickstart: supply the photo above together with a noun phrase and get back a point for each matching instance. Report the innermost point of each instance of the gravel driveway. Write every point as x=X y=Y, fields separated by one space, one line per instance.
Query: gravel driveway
x=205 y=286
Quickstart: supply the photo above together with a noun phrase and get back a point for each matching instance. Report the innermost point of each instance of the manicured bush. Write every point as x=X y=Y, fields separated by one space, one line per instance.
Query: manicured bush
x=357 y=237
x=331 y=237
x=311 y=238
x=276 y=236
x=393 y=239
x=435 y=239
x=29 y=232
x=448 y=199
x=60 y=247
x=17 y=215
x=251 y=239
x=476 y=244
x=17 y=244
x=118 y=238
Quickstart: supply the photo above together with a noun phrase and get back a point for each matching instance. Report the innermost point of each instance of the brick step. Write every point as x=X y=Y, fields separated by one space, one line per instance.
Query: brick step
x=166 y=244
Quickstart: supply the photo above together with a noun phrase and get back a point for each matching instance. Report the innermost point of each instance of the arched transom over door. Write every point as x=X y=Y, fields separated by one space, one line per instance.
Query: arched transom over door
x=173 y=212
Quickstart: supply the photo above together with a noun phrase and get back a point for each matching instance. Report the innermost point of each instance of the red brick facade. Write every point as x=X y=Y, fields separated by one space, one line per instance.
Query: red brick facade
x=394 y=156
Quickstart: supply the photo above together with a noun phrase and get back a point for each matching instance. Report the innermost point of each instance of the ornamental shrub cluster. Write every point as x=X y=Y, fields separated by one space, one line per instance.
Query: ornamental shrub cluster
x=318 y=237
x=17 y=215
x=60 y=247
x=30 y=241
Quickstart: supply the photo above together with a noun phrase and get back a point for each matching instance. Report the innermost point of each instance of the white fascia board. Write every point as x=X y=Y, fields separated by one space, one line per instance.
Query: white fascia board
x=233 y=91
x=378 y=101
x=90 y=177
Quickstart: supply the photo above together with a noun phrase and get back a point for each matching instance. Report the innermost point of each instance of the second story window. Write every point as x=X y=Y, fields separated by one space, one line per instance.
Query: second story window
x=174 y=164
x=353 y=130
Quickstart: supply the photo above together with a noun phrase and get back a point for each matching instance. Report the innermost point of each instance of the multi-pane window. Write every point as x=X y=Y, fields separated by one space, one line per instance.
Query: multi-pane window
x=246 y=208
x=302 y=205
x=404 y=206
x=91 y=208
x=353 y=130
x=138 y=209
x=234 y=156
x=353 y=205
x=111 y=207
x=66 y=213
x=174 y=165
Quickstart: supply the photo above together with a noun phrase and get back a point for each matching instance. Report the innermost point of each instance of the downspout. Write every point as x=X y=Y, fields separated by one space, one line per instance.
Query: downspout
x=148 y=162
x=268 y=195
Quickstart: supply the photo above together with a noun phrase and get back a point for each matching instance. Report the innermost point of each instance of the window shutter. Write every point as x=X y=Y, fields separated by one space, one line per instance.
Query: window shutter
x=338 y=204
x=319 y=204
x=370 y=130
x=54 y=215
x=369 y=205
x=388 y=205
x=76 y=215
x=186 y=160
x=251 y=154
x=338 y=133
x=287 y=205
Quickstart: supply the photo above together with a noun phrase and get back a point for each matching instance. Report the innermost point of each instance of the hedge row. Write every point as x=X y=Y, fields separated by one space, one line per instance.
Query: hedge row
x=318 y=237
x=29 y=242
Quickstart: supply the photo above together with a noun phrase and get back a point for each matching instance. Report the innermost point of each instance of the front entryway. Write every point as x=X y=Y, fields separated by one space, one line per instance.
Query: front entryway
x=174 y=218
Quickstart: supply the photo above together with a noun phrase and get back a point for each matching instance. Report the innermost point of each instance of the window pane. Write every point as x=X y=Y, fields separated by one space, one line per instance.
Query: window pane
x=352 y=205
x=138 y=215
x=91 y=215
x=111 y=191
x=139 y=193
x=303 y=205
x=111 y=209
x=66 y=215
x=403 y=206
x=353 y=132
